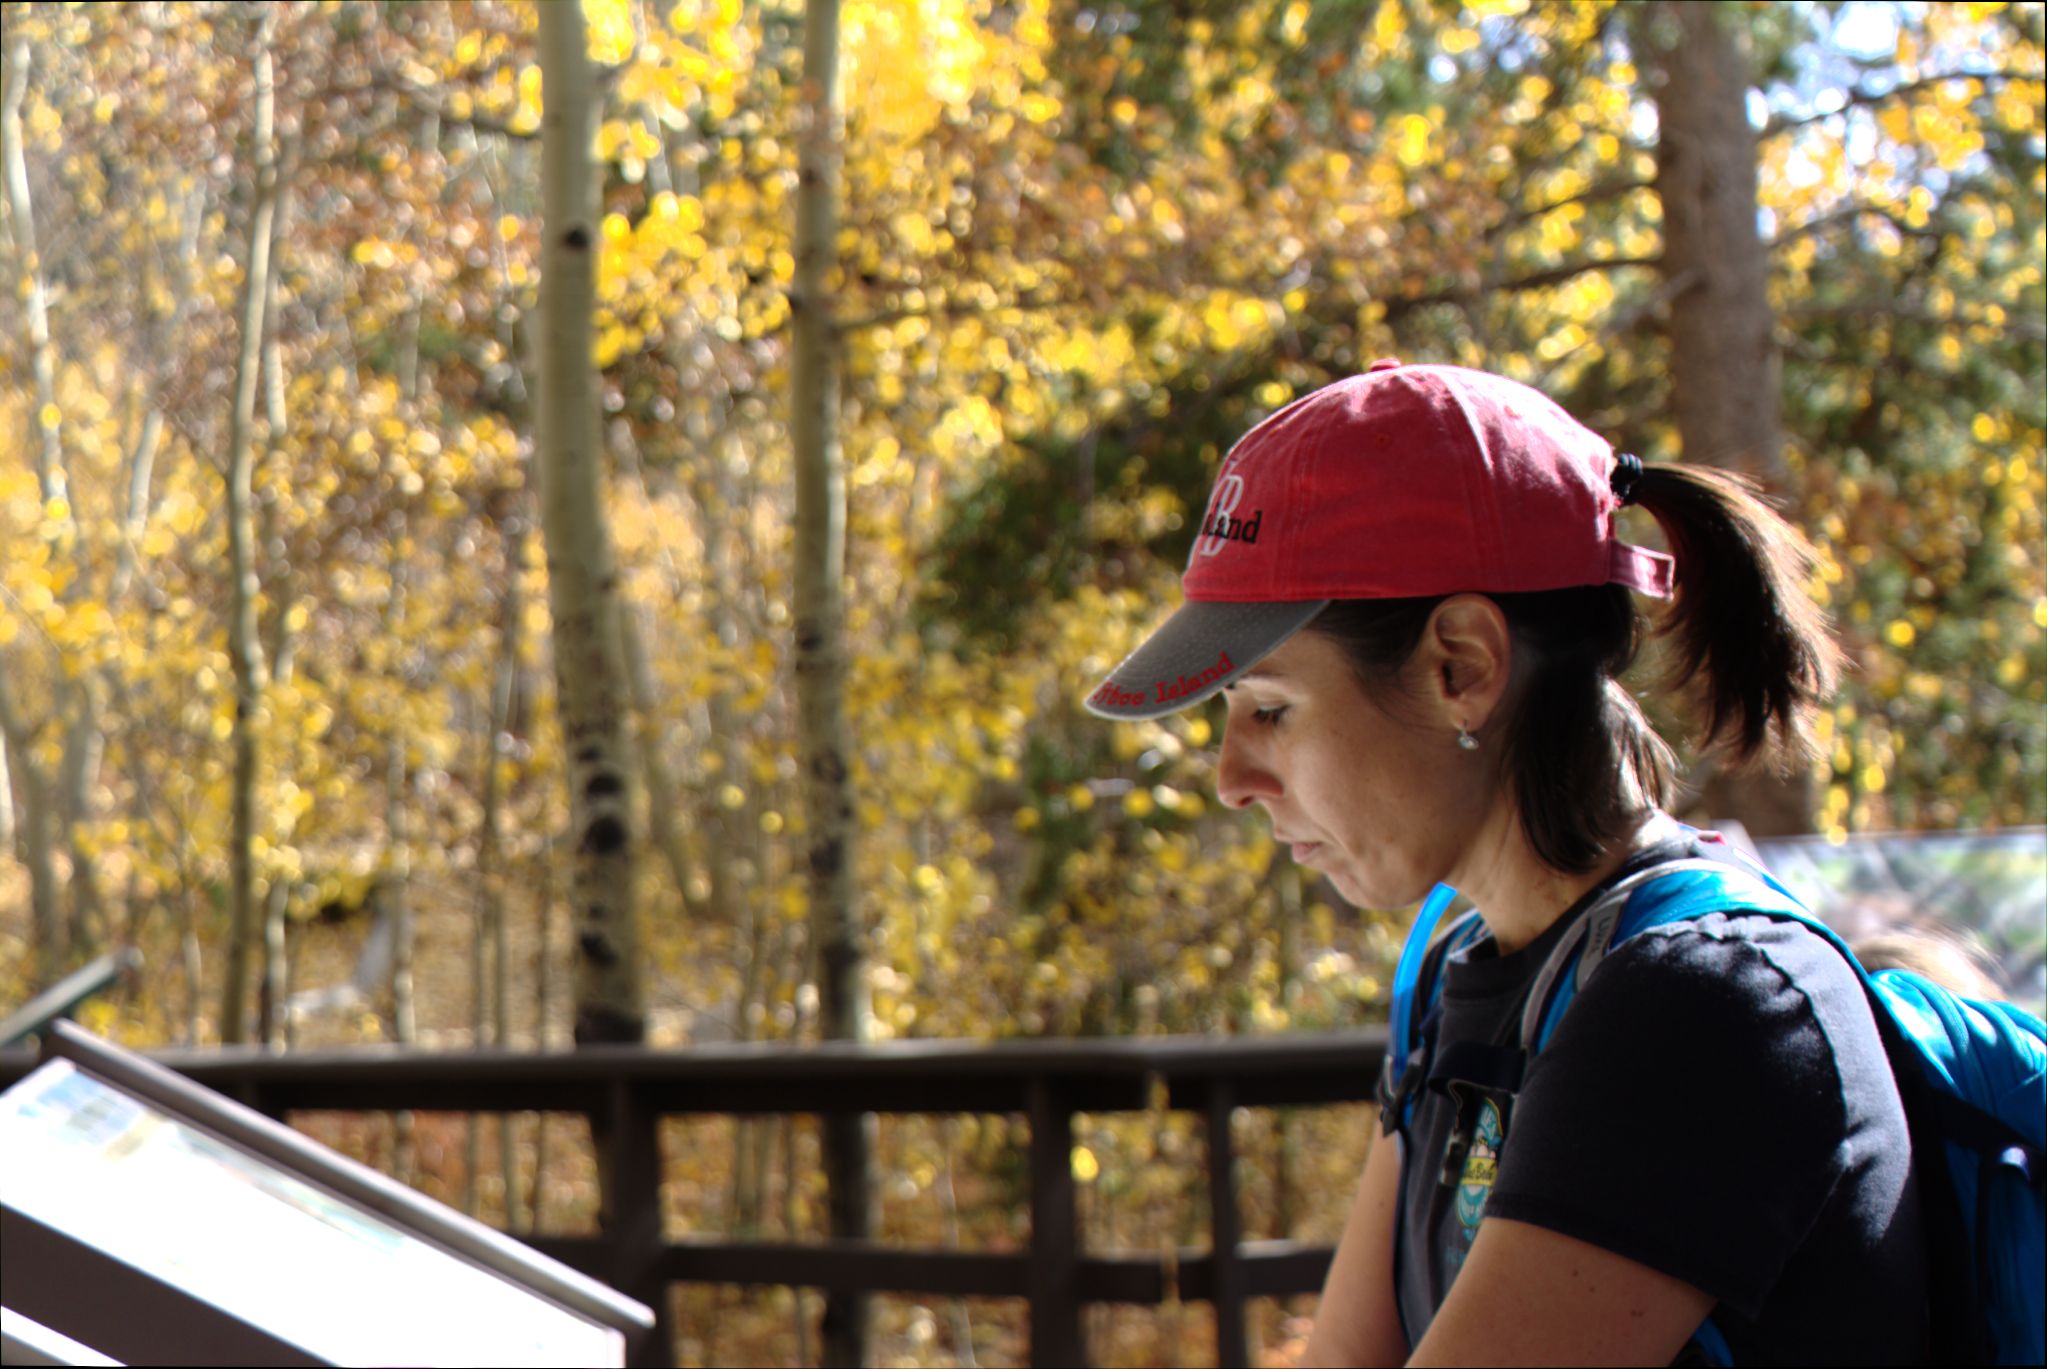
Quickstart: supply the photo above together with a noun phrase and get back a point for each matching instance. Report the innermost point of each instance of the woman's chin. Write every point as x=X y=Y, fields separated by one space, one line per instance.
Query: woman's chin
x=1356 y=892
x=1378 y=895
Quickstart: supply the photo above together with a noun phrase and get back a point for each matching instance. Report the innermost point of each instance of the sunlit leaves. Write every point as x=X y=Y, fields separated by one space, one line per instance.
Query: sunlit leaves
x=1084 y=247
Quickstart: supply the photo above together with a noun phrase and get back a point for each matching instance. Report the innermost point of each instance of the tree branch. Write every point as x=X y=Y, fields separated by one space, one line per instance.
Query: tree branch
x=1556 y=275
x=951 y=308
x=1862 y=95
x=1606 y=190
x=1848 y=214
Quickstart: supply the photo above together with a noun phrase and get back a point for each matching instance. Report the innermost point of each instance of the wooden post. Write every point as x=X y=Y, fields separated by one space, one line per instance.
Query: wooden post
x=1232 y=1345
x=629 y=1136
x=1055 y=1234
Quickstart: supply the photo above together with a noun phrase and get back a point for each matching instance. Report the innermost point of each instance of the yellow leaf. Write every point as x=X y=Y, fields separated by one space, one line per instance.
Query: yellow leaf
x=1896 y=121
x=1411 y=137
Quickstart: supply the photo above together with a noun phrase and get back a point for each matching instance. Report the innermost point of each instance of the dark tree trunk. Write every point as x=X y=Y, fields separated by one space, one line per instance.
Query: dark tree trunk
x=1725 y=376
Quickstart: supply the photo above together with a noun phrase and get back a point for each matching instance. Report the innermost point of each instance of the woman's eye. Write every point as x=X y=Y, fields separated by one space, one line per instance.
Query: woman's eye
x=1268 y=717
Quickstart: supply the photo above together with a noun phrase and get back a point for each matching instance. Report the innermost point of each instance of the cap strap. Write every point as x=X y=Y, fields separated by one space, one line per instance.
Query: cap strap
x=1640 y=569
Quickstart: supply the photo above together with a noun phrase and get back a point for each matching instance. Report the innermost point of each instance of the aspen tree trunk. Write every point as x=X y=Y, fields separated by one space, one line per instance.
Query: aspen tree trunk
x=1726 y=381
x=191 y=964
x=52 y=811
x=820 y=647
x=38 y=840
x=491 y=980
x=404 y=934
x=663 y=825
x=6 y=797
x=279 y=578
x=245 y=651
x=547 y=881
x=394 y=895
x=275 y=994
x=78 y=777
x=511 y=688
x=42 y=354
x=162 y=335
x=141 y=468
x=582 y=583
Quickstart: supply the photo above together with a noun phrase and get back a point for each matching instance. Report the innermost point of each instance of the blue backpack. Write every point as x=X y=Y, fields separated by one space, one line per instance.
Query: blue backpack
x=1972 y=1074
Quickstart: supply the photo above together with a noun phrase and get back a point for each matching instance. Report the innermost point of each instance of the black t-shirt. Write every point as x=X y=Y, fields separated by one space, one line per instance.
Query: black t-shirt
x=1716 y=1104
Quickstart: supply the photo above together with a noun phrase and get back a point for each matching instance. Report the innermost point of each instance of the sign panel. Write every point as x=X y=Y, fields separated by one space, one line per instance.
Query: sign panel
x=265 y=1242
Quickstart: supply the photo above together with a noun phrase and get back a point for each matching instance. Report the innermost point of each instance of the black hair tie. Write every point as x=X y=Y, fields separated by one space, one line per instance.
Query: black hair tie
x=1627 y=469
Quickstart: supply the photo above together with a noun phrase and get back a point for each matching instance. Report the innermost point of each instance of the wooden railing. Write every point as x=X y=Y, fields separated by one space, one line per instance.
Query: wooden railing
x=626 y=1091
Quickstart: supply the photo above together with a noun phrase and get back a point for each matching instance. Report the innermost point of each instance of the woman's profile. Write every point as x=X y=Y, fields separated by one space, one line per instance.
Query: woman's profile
x=1412 y=592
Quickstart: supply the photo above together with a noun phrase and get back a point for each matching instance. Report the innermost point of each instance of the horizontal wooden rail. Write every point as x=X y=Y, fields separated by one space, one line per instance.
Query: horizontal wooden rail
x=1270 y=1268
x=625 y=1091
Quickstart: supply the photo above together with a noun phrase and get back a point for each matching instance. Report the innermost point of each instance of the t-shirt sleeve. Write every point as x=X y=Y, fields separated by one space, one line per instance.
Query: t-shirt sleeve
x=1687 y=1114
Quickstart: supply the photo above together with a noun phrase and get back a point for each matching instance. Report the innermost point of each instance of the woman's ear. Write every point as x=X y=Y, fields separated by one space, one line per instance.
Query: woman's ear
x=1470 y=654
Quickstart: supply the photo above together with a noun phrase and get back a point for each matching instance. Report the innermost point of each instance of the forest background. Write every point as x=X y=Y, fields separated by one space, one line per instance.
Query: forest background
x=278 y=695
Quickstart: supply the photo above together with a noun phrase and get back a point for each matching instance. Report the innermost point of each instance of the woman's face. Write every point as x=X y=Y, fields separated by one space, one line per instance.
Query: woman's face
x=1374 y=793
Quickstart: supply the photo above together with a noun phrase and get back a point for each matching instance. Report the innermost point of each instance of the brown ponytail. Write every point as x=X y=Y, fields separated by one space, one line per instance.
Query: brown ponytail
x=1752 y=648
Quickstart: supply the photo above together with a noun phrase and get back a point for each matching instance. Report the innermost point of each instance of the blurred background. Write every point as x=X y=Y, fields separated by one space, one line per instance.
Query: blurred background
x=267 y=434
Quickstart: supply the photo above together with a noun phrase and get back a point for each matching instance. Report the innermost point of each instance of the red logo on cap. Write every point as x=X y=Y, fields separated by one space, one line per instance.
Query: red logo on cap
x=1221 y=525
x=1184 y=686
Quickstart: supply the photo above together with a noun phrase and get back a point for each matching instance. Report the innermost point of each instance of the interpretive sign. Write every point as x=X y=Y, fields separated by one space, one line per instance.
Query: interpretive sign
x=158 y=1222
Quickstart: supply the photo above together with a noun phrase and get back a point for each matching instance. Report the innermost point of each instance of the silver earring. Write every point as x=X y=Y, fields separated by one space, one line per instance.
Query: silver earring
x=1466 y=740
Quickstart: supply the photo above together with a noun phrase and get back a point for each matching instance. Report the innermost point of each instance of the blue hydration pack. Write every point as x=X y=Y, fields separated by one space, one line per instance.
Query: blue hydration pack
x=1972 y=1074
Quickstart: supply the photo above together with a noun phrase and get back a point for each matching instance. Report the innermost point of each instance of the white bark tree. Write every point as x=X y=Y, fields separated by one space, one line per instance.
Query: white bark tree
x=582 y=578
x=820 y=613
x=245 y=647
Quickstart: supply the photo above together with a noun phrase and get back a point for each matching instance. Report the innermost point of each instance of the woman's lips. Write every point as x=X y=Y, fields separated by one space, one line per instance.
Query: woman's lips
x=1305 y=850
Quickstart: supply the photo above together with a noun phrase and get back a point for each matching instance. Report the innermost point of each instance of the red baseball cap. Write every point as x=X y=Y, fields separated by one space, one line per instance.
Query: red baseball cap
x=1404 y=482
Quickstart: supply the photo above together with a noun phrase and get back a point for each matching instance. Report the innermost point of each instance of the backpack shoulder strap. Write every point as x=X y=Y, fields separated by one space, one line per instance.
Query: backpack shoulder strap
x=1407 y=973
x=1417 y=986
x=1673 y=891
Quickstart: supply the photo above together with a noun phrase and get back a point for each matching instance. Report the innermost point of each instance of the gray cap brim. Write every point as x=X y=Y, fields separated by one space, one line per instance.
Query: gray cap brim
x=1199 y=650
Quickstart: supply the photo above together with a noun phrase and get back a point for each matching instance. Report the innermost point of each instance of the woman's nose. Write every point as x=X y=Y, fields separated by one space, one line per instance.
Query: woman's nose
x=1241 y=776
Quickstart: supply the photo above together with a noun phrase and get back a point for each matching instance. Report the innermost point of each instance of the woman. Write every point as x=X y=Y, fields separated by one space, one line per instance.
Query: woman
x=1410 y=589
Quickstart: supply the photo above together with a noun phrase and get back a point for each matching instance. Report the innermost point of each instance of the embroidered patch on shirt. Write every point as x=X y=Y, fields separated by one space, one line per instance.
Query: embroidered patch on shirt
x=1481 y=1167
